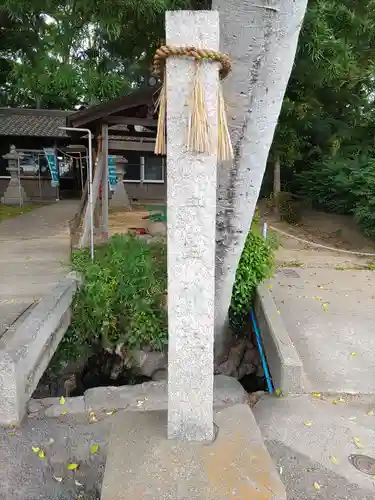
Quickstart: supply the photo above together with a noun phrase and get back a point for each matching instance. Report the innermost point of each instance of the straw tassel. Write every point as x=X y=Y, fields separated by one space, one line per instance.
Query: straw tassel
x=198 y=140
x=224 y=143
x=161 y=105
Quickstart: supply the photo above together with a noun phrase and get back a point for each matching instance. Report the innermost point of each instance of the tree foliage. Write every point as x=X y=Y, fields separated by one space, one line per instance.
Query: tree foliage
x=325 y=135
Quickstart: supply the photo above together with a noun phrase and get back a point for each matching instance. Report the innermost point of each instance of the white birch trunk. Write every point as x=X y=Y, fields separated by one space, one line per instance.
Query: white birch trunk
x=261 y=38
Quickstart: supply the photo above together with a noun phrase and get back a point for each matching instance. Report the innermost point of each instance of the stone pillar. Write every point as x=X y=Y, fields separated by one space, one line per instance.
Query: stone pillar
x=191 y=195
x=120 y=197
x=14 y=194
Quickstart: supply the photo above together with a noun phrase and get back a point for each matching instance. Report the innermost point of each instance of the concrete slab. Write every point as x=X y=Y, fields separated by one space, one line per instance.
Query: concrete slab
x=143 y=464
x=26 y=350
x=282 y=358
x=10 y=311
x=313 y=437
x=329 y=316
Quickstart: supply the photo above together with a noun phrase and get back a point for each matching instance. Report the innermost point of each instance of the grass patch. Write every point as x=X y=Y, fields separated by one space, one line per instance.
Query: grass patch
x=9 y=212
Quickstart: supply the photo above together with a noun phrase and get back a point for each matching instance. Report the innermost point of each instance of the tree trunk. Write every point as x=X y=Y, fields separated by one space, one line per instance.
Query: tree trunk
x=276 y=184
x=261 y=38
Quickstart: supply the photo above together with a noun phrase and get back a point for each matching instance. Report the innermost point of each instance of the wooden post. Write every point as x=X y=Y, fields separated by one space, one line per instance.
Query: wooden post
x=191 y=193
x=105 y=195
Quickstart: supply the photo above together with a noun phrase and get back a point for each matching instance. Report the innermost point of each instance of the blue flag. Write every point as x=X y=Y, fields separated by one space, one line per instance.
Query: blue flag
x=52 y=163
x=112 y=171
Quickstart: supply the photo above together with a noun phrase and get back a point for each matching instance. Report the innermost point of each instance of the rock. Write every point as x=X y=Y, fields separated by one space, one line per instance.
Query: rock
x=157 y=228
x=260 y=371
x=249 y=362
x=147 y=363
x=245 y=369
x=254 y=397
x=236 y=353
x=160 y=375
x=34 y=406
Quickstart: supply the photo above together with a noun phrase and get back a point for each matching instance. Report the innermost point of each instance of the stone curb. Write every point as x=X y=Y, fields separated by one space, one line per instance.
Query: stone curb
x=285 y=365
x=26 y=351
x=104 y=401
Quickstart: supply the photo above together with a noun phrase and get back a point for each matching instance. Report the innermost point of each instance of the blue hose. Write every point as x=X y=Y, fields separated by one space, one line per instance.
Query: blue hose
x=262 y=356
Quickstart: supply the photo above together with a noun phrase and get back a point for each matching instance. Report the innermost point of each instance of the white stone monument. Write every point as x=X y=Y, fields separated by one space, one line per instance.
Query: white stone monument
x=191 y=195
x=14 y=194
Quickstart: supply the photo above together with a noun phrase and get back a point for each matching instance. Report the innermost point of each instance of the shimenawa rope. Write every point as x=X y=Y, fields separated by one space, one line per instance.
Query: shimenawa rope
x=198 y=134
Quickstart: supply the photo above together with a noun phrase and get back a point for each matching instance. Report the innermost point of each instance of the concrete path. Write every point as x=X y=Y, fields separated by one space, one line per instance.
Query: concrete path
x=310 y=440
x=329 y=315
x=34 y=248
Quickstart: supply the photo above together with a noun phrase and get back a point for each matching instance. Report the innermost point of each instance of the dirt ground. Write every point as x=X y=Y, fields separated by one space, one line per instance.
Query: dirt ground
x=336 y=231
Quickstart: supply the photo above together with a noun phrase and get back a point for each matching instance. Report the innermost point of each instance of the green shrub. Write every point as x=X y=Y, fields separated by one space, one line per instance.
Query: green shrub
x=256 y=264
x=121 y=299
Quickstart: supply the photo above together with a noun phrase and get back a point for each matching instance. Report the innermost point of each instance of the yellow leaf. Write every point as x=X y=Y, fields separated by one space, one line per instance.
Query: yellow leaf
x=353 y=354
x=334 y=402
x=316 y=395
x=64 y=412
x=269 y=287
x=62 y=400
x=72 y=466
x=334 y=460
x=325 y=307
x=357 y=442
x=279 y=393
x=316 y=486
x=308 y=423
x=35 y=449
x=278 y=312
x=370 y=412
x=341 y=400
x=42 y=455
x=94 y=448
x=12 y=433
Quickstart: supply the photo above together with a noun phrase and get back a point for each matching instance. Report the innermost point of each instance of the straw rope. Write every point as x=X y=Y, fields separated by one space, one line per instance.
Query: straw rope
x=198 y=135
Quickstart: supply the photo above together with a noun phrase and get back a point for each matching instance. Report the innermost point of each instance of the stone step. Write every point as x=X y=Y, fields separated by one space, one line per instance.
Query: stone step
x=142 y=463
x=26 y=349
x=311 y=439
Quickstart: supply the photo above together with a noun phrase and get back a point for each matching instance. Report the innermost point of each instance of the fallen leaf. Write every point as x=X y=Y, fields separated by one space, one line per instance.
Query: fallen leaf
x=94 y=448
x=334 y=401
x=111 y=412
x=35 y=449
x=77 y=483
x=278 y=312
x=58 y=479
x=325 y=307
x=269 y=287
x=72 y=466
x=333 y=460
x=42 y=455
x=370 y=412
x=62 y=400
x=341 y=400
x=279 y=393
x=357 y=442
x=319 y=298
x=316 y=395
x=316 y=486
x=280 y=470
x=64 y=412
x=353 y=354
x=308 y=423
x=352 y=418
x=51 y=441
x=12 y=433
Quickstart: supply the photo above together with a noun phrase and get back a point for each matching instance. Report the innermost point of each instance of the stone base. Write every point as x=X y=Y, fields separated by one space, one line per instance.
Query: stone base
x=120 y=198
x=14 y=195
x=143 y=465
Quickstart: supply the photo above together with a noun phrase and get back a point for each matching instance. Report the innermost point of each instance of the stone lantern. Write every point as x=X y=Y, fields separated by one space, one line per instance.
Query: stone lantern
x=120 y=197
x=14 y=194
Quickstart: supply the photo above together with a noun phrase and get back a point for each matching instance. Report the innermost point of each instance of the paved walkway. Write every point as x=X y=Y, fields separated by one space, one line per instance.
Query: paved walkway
x=34 y=249
x=329 y=315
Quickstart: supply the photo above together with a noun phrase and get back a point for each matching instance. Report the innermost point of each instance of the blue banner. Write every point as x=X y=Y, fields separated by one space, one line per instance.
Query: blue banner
x=52 y=163
x=112 y=171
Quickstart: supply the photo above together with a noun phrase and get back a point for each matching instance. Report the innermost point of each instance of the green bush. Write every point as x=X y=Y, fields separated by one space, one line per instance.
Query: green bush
x=256 y=264
x=121 y=299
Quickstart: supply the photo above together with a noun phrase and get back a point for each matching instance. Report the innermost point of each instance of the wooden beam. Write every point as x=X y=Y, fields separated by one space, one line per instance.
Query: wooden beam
x=125 y=133
x=130 y=146
x=130 y=120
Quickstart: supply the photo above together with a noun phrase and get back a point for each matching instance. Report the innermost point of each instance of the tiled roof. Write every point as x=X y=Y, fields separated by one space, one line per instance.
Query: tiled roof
x=33 y=122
